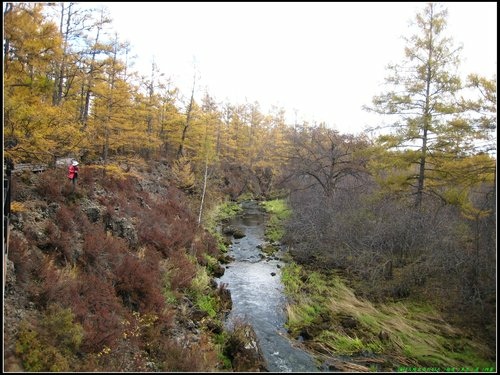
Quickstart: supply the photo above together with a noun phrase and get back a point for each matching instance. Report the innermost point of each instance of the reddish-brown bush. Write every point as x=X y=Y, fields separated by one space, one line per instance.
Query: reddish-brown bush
x=167 y=227
x=54 y=287
x=137 y=283
x=49 y=185
x=181 y=271
x=31 y=234
x=155 y=231
x=176 y=195
x=65 y=218
x=111 y=183
x=204 y=244
x=92 y=300
x=150 y=257
x=57 y=244
x=81 y=221
x=99 y=310
x=101 y=253
x=88 y=176
x=26 y=262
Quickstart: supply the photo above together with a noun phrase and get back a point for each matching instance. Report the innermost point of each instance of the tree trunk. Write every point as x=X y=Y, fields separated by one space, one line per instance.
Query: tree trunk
x=204 y=189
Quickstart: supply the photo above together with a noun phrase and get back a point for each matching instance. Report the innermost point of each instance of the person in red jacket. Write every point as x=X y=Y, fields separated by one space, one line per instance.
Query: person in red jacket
x=73 y=173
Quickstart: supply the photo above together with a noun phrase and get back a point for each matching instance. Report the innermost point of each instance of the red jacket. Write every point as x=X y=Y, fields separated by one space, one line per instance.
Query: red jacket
x=72 y=172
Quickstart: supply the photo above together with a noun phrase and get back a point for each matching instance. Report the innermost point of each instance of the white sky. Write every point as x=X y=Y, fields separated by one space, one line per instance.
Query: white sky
x=322 y=60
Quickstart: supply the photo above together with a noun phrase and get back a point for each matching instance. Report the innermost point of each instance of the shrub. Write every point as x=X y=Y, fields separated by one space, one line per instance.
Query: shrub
x=169 y=226
x=58 y=244
x=52 y=345
x=98 y=310
x=208 y=304
x=68 y=286
x=203 y=247
x=200 y=290
x=102 y=253
x=61 y=330
x=55 y=286
x=26 y=262
x=64 y=218
x=49 y=185
x=37 y=356
x=180 y=271
x=200 y=284
x=117 y=180
x=198 y=357
x=18 y=207
x=138 y=285
x=88 y=175
x=183 y=174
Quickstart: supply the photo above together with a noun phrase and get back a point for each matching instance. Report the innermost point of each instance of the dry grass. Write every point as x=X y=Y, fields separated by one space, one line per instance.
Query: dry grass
x=410 y=333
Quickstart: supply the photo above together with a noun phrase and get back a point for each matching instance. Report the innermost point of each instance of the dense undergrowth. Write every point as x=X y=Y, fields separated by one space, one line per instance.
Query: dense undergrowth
x=335 y=321
x=116 y=276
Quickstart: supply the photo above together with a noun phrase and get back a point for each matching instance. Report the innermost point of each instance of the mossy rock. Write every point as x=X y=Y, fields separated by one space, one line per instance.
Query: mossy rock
x=238 y=233
x=244 y=351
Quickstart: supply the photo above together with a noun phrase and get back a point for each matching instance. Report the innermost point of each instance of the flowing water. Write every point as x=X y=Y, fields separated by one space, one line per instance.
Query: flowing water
x=257 y=294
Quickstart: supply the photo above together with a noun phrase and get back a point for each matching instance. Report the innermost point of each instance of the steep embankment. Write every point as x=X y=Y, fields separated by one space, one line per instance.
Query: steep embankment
x=116 y=276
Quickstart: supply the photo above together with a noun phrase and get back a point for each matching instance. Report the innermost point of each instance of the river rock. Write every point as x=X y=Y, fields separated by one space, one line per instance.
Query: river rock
x=232 y=231
x=225 y=259
x=244 y=350
x=229 y=230
x=218 y=270
x=238 y=233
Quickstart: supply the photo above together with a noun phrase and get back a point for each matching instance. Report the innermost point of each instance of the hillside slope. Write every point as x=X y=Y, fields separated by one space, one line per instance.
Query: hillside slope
x=116 y=276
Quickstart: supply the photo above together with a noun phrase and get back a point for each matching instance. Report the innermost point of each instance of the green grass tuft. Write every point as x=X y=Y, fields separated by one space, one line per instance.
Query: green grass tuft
x=415 y=331
x=278 y=213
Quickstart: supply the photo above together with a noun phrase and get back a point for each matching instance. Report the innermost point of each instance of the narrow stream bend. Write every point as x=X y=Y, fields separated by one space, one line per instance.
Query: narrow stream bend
x=257 y=294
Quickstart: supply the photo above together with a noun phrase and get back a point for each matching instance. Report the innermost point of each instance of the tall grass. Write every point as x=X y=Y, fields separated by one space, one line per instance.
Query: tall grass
x=411 y=332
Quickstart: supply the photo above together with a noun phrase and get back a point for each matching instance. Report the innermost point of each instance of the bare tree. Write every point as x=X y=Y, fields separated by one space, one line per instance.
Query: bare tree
x=321 y=156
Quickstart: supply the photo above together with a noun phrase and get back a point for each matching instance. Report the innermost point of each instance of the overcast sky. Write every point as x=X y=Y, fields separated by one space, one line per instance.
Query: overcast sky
x=319 y=61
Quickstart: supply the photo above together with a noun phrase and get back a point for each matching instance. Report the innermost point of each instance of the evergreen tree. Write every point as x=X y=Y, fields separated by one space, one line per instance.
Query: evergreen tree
x=422 y=96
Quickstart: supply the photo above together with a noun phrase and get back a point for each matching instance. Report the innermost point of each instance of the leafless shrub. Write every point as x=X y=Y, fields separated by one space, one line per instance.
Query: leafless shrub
x=359 y=231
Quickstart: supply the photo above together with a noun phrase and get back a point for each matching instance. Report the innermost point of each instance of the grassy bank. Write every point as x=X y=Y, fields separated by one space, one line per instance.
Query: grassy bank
x=218 y=214
x=333 y=321
x=278 y=211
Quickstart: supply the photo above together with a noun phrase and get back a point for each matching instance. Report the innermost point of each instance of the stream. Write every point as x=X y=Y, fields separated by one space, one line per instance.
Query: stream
x=258 y=294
